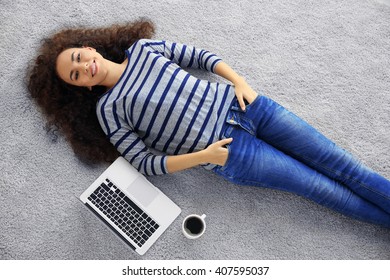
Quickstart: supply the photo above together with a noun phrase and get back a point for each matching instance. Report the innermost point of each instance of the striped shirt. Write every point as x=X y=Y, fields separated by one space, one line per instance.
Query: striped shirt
x=158 y=109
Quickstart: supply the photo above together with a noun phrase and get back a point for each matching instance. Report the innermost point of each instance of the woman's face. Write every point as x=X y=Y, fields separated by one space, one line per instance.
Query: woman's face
x=81 y=67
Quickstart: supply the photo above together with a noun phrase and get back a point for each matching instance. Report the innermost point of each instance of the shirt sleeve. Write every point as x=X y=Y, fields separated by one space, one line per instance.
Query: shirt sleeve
x=133 y=149
x=184 y=55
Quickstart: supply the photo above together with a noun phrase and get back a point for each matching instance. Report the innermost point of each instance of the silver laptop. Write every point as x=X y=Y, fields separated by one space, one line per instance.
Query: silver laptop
x=130 y=205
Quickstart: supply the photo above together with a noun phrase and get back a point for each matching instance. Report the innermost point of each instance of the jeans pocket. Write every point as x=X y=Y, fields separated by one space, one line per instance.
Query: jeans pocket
x=236 y=106
x=250 y=105
x=227 y=163
x=244 y=119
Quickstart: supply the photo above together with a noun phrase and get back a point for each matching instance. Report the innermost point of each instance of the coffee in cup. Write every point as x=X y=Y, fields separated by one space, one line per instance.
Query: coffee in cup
x=194 y=226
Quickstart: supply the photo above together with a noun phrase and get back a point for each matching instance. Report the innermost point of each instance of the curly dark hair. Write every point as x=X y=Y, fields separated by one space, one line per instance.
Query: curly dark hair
x=71 y=109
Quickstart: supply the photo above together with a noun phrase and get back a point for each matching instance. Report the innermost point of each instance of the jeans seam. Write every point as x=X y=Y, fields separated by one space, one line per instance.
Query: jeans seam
x=240 y=181
x=343 y=174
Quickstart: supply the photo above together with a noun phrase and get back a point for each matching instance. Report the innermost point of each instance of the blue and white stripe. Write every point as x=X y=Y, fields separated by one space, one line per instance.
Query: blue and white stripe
x=157 y=106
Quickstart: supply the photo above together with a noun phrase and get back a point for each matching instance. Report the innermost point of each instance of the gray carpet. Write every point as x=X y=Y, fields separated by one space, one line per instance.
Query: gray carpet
x=327 y=61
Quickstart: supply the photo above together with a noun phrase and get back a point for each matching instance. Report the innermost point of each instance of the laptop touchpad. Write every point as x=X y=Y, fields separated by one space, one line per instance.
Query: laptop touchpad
x=142 y=191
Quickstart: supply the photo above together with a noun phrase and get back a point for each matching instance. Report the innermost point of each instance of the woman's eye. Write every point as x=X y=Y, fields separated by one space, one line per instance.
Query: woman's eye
x=77 y=75
x=78 y=57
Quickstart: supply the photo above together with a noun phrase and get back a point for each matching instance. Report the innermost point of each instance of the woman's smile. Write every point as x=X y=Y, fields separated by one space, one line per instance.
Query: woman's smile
x=94 y=68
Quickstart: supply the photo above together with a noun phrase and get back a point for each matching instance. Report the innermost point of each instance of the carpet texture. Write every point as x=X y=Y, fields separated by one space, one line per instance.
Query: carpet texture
x=327 y=61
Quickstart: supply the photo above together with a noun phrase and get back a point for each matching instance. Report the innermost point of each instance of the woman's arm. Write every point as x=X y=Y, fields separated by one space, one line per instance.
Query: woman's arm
x=185 y=56
x=242 y=89
x=216 y=153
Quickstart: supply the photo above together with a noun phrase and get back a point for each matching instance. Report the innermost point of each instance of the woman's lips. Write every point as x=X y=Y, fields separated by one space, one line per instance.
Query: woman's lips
x=94 y=68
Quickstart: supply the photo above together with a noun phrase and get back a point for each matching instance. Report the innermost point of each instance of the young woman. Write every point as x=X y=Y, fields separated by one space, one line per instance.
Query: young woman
x=110 y=90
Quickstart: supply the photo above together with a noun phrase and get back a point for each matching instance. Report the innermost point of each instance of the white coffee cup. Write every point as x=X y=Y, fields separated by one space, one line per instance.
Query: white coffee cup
x=194 y=226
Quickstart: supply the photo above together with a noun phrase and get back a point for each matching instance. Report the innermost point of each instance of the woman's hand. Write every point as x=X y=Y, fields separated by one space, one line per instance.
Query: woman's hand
x=217 y=153
x=244 y=92
x=242 y=89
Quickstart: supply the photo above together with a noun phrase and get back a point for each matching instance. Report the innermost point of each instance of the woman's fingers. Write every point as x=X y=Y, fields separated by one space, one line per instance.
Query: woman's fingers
x=222 y=152
x=226 y=141
x=244 y=92
x=241 y=102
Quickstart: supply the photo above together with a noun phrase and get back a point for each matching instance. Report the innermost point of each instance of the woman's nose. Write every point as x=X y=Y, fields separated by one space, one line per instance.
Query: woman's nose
x=83 y=67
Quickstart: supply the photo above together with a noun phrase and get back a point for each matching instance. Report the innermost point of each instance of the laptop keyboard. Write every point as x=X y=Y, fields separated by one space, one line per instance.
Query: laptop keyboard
x=116 y=206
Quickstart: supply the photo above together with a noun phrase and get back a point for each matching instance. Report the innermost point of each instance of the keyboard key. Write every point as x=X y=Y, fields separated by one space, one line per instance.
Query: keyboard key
x=104 y=186
x=132 y=205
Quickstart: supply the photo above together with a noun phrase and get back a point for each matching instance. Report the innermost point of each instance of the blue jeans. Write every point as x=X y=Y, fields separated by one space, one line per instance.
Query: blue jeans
x=273 y=148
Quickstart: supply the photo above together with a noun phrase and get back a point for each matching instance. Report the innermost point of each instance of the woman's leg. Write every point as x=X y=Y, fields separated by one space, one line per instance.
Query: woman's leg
x=286 y=132
x=253 y=162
